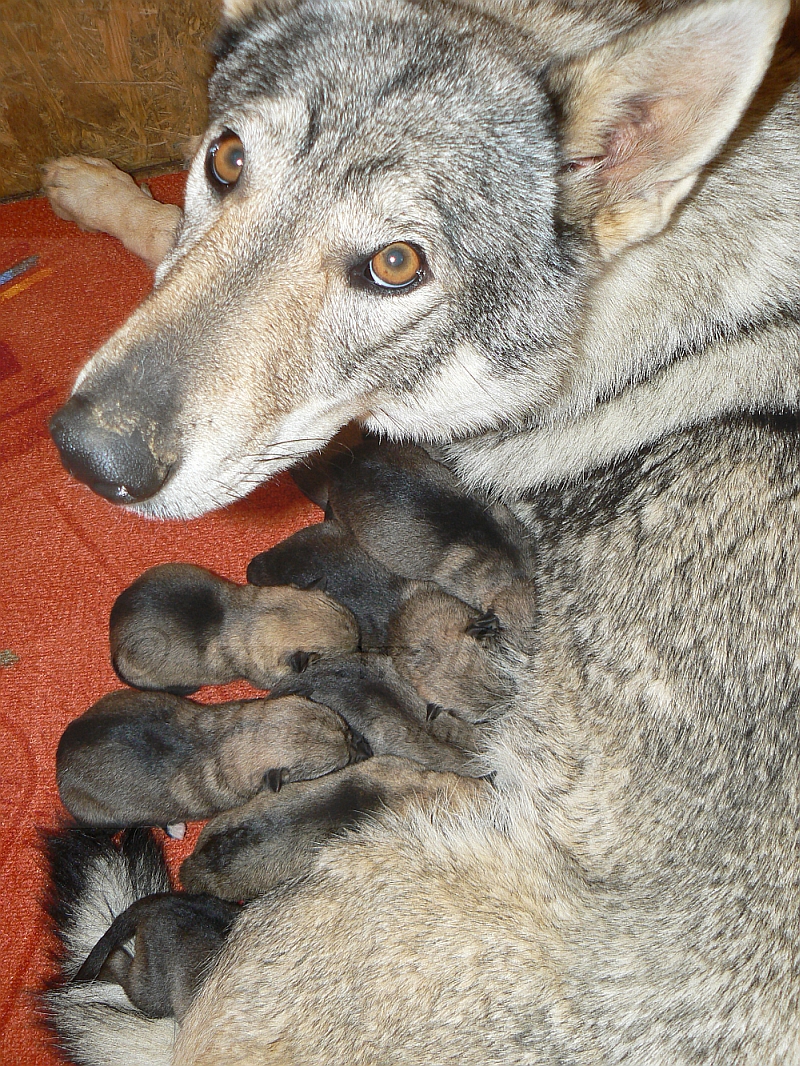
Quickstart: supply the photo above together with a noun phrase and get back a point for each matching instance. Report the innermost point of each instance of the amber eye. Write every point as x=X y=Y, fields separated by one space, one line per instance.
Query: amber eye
x=224 y=161
x=396 y=266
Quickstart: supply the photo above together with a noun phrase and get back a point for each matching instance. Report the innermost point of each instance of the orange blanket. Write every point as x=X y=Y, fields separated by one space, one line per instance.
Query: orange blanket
x=66 y=554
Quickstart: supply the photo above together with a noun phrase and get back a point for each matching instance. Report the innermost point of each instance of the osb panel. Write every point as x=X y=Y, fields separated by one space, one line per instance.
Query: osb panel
x=113 y=78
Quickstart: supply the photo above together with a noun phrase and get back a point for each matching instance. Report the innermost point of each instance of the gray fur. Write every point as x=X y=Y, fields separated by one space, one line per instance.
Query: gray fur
x=629 y=891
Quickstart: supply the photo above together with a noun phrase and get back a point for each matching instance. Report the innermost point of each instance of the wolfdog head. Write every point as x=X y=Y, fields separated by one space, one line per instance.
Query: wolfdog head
x=395 y=216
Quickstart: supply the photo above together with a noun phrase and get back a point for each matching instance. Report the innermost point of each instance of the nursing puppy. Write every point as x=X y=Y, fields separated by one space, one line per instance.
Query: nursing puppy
x=458 y=659
x=175 y=937
x=412 y=515
x=558 y=242
x=156 y=952
x=328 y=557
x=179 y=627
x=156 y=759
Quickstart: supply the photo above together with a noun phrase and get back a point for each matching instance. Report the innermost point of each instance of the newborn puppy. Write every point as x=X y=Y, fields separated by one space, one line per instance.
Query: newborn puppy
x=328 y=557
x=448 y=651
x=457 y=658
x=388 y=712
x=138 y=758
x=175 y=937
x=274 y=838
x=179 y=627
x=411 y=514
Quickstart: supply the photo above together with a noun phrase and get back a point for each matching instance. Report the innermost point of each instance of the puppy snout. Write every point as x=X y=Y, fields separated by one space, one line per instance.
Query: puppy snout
x=117 y=465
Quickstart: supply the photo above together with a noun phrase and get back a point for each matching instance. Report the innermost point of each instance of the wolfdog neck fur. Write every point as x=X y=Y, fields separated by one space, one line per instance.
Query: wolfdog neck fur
x=670 y=338
x=608 y=337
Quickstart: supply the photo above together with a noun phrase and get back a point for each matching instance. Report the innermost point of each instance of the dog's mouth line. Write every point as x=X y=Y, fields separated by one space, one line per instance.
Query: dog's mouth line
x=210 y=472
x=234 y=477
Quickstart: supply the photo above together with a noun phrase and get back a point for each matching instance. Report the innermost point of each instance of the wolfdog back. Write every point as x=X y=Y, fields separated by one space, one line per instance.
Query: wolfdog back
x=601 y=328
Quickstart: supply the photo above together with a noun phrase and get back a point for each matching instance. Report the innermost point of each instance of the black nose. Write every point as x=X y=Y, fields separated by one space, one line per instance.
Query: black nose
x=119 y=466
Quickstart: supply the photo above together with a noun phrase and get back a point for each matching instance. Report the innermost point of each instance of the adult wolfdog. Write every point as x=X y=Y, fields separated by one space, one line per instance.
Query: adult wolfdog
x=560 y=243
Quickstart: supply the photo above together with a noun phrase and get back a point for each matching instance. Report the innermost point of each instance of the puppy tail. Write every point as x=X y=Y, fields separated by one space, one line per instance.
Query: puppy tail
x=94 y=879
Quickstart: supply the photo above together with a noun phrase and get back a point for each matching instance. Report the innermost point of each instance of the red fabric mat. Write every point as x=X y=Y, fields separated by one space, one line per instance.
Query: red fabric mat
x=66 y=554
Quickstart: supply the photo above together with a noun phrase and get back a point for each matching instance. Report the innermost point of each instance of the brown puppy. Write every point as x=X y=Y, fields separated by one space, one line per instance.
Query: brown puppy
x=141 y=758
x=179 y=627
x=457 y=658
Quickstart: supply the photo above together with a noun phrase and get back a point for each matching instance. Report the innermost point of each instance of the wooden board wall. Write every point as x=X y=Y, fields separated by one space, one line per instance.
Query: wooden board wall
x=116 y=78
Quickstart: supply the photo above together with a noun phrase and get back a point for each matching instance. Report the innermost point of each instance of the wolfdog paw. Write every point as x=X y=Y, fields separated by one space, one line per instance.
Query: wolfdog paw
x=87 y=191
x=98 y=196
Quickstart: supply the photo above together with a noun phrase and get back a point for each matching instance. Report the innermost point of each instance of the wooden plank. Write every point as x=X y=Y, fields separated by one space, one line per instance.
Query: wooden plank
x=119 y=79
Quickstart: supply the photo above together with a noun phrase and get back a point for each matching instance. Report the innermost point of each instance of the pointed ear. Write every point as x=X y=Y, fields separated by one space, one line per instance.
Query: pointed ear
x=240 y=10
x=644 y=113
x=237 y=10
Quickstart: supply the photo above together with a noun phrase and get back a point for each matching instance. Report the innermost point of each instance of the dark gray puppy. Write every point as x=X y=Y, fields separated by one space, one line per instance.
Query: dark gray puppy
x=328 y=557
x=386 y=709
x=408 y=512
x=175 y=936
x=156 y=758
x=458 y=658
x=146 y=758
x=179 y=627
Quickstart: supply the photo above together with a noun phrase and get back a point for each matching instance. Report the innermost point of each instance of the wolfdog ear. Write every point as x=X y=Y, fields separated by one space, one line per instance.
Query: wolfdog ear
x=645 y=112
x=239 y=10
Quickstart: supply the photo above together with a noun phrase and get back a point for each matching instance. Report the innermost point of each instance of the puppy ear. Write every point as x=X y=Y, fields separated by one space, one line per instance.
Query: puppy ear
x=645 y=112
